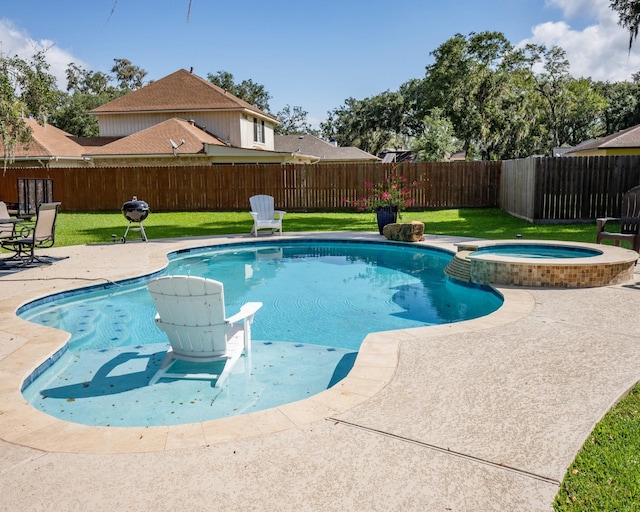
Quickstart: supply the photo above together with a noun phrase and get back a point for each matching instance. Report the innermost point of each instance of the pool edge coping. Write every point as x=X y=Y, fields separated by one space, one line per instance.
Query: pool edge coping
x=373 y=370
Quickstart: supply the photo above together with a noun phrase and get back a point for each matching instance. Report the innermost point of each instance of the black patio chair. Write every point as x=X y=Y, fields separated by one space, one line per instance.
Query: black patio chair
x=40 y=236
x=629 y=222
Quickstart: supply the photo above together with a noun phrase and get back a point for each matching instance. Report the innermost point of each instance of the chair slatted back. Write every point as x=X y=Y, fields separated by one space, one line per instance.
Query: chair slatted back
x=192 y=313
x=264 y=206
x=46 y=223
x=630 y=214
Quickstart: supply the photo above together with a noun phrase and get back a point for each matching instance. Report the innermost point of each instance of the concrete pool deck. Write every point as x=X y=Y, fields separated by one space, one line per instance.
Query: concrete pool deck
x=480 y=415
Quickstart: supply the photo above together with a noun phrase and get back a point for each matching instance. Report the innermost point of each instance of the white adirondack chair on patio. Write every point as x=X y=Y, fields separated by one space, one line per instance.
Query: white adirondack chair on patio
x=191 y=311
x=264 y=215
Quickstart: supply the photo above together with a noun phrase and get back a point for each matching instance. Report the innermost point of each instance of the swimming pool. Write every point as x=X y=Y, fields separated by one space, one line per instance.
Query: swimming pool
x=320 y=300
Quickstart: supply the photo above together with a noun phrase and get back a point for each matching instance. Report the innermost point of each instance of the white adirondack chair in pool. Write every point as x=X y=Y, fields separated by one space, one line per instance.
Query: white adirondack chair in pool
x=191 y=311
x=264 y=215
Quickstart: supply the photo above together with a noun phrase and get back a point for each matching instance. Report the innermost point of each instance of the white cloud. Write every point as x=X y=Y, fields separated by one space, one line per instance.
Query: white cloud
x=599 y=50
x=14 y=41
x=573 y=8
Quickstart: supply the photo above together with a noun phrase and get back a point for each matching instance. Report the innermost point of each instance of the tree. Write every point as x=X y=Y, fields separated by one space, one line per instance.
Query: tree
x=571 y=107
x=86 y=90
x=26 y=90
x=586 y=107
x=128 y=76
x=369 y=124
x=13 y=127
x=413 y=98
x=624 y=104
x=37 y=87
x=628 y=16
x=437 y=140
x=253 y=93
x=293 y=121
x=471 y=80
x=81 y=80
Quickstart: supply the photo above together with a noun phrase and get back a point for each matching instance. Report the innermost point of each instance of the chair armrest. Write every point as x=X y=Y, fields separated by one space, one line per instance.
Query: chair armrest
x=23 y=236
x=603 y=220
x=246 y=312
x=279 y=214
x=254 y=215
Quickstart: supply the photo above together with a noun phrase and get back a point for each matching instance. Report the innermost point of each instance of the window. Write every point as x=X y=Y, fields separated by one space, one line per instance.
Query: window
x=258 y=130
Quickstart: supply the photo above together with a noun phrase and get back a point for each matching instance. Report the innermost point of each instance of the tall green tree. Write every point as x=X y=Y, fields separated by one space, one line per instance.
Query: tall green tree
x=437 y=141
x=572 y=108
x=623 y=98
x=369 y=124
x=86 y=90
x=293 y=121
x=27 y=89
x=247 y=90
x=37 y=87
x=628 y=16
x=128 y=76
x=469 y=80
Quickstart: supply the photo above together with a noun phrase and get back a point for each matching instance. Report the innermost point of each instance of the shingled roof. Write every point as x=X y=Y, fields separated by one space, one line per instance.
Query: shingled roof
x=624 y=139
x=48 y=141
x=178 y=92
x=321 y=149
x=155 y=140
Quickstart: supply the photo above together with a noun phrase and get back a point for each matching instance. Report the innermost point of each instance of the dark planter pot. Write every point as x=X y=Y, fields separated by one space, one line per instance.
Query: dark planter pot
x=386 y=215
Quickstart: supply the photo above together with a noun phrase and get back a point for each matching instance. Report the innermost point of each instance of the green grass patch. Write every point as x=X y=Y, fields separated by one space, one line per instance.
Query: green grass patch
x=88 y=228
x=605 y=474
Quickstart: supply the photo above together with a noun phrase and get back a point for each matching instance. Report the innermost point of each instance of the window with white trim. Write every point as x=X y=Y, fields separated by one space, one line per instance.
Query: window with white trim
x=258 y=130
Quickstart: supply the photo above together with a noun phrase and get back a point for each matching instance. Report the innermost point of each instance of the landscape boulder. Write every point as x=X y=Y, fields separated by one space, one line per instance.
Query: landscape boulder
x=404 y=231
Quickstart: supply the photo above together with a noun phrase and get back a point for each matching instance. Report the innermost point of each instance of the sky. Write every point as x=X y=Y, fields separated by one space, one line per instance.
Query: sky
x=309 y=54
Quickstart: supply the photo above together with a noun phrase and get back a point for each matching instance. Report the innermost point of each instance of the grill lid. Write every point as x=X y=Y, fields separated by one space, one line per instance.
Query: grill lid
x=135 y=210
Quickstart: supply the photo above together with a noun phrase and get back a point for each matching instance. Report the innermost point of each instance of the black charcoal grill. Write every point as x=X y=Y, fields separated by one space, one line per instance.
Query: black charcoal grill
x=135 y=211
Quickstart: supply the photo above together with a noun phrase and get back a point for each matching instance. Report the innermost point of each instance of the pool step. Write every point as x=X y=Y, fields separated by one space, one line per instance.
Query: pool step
x=459 y=267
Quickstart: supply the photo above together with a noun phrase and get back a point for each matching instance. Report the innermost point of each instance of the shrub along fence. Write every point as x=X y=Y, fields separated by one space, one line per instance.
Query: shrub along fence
x=322 y=187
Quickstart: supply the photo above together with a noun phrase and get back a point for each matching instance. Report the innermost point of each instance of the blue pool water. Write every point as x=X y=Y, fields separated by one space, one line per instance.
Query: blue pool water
x=536 y=251
x=320 y=300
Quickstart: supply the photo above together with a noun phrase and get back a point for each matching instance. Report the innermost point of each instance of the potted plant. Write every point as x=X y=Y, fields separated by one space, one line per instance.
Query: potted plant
x=386 y=199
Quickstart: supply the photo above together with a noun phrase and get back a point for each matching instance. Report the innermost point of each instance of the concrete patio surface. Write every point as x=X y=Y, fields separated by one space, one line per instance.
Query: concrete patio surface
x=476 y=416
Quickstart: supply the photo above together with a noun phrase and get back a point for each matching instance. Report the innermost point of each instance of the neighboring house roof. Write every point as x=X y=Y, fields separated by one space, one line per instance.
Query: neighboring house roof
x=180 y=91
x=624 y=139
x=396 y=156
x=156 y=140
x=321 y=149
x=48 y=141
x=458 y=156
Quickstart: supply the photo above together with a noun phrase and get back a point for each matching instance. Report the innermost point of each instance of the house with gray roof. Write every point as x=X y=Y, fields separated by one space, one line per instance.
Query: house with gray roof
x=624 y=142
x=320 y=150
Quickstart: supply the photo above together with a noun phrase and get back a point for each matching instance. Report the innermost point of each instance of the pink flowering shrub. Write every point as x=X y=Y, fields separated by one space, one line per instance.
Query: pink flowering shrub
x=394 y=191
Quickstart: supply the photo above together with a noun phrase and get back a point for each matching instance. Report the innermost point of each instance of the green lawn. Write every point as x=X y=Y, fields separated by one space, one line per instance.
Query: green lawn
x=83 y=228
x=606 y=472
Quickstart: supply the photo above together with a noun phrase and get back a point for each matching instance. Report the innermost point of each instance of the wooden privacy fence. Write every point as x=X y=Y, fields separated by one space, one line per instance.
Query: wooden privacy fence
x=322 y=187
x=544 y=189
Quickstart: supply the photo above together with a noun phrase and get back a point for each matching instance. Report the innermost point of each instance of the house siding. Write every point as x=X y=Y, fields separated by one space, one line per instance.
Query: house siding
x=225 y=125
x=607 y=152
x=246 y=129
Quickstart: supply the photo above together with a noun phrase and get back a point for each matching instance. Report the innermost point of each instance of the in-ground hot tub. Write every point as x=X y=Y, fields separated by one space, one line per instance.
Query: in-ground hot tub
x=547 y=263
